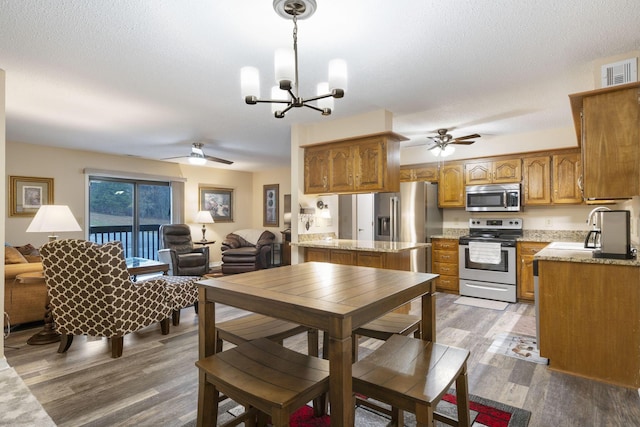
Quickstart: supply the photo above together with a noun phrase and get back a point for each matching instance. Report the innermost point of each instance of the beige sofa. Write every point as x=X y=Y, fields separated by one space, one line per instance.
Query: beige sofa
x=23 y=302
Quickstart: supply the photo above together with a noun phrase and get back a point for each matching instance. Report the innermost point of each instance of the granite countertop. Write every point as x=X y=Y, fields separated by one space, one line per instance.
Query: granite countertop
x=528 y=235
x=361 y=245
x=581 y=256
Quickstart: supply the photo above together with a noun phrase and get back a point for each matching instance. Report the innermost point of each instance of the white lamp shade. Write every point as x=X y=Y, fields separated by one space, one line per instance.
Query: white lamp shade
x=249 y=82
x=322 y=89
x=204 y=217
x=338 y=74
x=284 y=64
x=53 y=219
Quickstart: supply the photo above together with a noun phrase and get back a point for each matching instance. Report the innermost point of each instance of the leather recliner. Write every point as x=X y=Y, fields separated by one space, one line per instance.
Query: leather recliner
x=176 y=249
x=246 y=250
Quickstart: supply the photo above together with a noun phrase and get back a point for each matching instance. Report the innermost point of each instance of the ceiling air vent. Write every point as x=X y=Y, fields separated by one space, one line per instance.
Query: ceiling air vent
x=621 y=72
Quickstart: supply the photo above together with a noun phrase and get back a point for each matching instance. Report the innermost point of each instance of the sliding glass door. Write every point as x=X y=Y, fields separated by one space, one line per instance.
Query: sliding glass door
x=130 y=211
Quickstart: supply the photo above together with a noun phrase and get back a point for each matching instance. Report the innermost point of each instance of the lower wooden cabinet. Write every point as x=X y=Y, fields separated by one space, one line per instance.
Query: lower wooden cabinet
x=388 y=260
x=525 y=253
x=445 y=263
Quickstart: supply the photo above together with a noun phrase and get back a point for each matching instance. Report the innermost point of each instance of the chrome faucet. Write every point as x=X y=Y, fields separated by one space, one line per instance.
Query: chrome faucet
x=592 y=215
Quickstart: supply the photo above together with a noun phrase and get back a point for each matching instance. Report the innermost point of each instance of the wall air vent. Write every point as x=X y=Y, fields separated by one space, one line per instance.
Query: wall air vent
x=618 y=73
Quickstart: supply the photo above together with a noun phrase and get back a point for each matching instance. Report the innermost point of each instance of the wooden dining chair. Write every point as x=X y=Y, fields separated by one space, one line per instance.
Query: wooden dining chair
x=382 y=328
x=254 y=326
x=264 y=377
x=412 y=375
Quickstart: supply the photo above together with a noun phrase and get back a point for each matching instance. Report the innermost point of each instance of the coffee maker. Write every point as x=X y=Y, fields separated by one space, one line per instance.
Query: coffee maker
x=615 y=235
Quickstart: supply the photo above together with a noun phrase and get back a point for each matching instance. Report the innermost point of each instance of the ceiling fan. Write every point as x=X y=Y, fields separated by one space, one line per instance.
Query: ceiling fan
x=197 y=156
x=443 y=141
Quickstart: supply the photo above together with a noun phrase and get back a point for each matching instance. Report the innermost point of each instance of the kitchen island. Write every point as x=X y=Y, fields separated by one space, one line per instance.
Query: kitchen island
x=365 y=253
x=589 y=314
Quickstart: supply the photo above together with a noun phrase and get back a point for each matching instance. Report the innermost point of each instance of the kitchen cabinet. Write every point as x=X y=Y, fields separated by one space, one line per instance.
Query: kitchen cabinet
x=590 y=317
x=354 y=165
x=567 y=170
x=525 y=254
x=388 y=260
x=419 y=173
x=451 y=186
x=536 y=181
x=445 y=263
x=316 y=170
x=607 y=123
x=495 y=172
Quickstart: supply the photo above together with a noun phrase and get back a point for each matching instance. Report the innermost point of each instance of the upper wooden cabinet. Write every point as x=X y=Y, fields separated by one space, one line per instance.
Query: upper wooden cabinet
x=496 y=172
x=567 y=172
x=451 y=186
x=355 y=165
x=536 y=183
x=607 y=123
x=419 y=173
x=552 y=179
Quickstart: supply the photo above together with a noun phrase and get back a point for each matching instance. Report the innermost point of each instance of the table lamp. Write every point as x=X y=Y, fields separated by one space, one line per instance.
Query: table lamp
x=204 y=217
x=53 y=219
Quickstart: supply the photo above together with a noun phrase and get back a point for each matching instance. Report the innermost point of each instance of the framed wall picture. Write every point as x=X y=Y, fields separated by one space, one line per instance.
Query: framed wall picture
x=271 y=213
x=218 y=201
x=27 y=194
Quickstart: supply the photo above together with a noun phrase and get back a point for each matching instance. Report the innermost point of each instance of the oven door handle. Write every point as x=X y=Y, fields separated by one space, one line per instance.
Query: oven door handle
x=470 y=285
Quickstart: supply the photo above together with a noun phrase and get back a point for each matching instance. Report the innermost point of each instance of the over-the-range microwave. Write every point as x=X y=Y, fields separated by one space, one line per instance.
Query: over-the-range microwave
x=493 y=198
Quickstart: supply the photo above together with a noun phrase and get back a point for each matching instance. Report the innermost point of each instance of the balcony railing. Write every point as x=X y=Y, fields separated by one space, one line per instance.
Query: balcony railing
x=148 y=238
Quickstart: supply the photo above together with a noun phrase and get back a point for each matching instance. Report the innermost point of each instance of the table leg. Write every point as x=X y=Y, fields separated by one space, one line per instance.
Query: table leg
x=206 y=347
x=340 y=383
x=429 y=316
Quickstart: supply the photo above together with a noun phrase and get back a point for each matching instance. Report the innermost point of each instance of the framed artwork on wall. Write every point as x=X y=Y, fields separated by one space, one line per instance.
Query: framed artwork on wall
x=271 y=213
x=28 y=193
x=218 y=201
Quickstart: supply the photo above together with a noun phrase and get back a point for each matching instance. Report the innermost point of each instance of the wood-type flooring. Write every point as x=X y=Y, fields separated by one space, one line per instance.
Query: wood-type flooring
x=154 y=383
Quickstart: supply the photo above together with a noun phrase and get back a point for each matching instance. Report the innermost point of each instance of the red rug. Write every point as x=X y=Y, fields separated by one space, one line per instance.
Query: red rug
x=483 y=411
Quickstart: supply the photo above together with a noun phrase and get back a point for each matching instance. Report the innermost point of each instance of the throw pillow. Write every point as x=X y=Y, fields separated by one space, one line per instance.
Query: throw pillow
x=28 y=249
x=13 y=256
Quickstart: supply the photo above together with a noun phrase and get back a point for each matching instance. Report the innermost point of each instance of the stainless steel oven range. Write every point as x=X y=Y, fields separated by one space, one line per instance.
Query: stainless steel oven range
x=487 y=258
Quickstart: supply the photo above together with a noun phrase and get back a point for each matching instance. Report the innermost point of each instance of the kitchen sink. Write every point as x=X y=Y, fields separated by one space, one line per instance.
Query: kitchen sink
x=569 y=246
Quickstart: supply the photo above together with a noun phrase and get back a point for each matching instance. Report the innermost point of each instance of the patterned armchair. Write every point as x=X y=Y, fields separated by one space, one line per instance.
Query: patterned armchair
x=92 y=293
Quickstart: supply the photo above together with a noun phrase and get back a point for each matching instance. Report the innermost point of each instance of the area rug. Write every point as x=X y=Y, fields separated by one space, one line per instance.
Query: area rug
x=482 y=303
x=519 y=346
x=484 y=413
x=18 y=407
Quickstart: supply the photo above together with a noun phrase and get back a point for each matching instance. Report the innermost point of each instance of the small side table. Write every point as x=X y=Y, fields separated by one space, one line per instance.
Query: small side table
x=204 y=242
x=48 y=334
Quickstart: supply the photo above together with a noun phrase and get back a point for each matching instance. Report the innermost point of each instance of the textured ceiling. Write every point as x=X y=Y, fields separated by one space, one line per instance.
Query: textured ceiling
x=149 y=77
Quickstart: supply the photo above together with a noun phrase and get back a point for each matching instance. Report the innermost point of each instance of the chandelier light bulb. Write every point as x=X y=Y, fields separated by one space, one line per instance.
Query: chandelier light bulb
x=284 y=66
x=338 y=74
x=249 y=82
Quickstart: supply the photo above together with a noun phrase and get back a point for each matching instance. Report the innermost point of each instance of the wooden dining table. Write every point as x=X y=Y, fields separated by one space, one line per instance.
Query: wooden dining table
x=330 y=297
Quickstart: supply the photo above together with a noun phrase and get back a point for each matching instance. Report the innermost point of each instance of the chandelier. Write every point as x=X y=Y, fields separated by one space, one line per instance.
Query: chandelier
x=286 y=93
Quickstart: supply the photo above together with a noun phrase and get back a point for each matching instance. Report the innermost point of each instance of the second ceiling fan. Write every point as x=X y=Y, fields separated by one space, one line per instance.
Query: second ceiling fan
x=197 y=156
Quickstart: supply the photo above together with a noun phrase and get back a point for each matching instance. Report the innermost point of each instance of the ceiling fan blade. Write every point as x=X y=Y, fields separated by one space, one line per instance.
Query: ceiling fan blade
x=455 y=141
x=171 y=158
x=217 y=159
x=475 y=135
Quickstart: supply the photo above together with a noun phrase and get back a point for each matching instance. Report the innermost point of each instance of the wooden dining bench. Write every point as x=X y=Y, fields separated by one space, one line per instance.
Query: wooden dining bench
x=263 y=376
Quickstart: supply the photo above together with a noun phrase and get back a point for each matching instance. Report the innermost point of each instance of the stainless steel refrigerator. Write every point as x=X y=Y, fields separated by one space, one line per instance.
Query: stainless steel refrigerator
x=412 y=215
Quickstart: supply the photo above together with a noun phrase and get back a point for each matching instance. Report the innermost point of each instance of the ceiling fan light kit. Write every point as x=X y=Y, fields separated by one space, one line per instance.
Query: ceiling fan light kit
x=286 y=92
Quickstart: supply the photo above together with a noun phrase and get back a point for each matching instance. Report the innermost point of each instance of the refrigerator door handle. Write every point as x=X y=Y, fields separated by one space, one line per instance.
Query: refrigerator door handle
x=393 y=209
